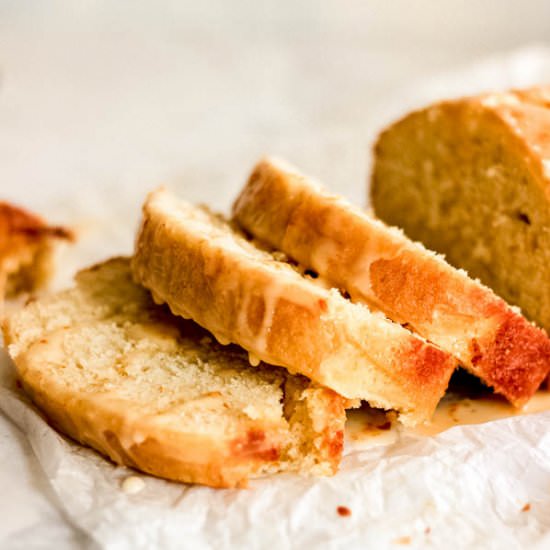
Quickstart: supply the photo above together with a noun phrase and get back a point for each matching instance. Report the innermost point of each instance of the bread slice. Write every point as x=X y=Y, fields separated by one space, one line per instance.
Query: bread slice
x=205 y=269
x=116 y=372
x=471 y=179
x=26 y=247
x=379 y=266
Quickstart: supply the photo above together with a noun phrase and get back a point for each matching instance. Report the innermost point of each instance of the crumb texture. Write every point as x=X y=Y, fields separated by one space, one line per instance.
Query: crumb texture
x=121 y=374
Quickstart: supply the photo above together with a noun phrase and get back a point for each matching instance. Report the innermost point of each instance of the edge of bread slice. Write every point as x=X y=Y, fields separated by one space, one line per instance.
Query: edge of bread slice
x=473 y=181
x=151 y=391
x=381 y=267
x=205 y=269
x=26 y=247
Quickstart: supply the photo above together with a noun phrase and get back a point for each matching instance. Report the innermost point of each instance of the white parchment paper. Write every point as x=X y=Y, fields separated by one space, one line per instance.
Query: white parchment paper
x=481 y=486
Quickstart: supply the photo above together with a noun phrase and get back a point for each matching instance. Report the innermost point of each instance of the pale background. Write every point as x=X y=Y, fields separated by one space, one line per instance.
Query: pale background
x=101 y=101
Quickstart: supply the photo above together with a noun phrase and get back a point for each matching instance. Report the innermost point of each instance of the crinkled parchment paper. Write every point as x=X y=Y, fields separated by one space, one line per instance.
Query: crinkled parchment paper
x=472 y=486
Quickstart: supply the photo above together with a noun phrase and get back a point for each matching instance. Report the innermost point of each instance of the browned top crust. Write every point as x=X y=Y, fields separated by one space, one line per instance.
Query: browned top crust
x=526 y=113
x=378 y=265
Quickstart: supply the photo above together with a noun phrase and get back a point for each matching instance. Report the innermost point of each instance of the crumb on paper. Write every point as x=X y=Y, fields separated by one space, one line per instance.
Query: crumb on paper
x=402 y=540
x=526 y=507
x=343 y=511
x=132 y=485
x=428 y=530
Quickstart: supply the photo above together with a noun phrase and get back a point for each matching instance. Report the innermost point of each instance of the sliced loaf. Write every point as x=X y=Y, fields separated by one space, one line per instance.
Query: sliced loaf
x=379 y=266
x=205 y=269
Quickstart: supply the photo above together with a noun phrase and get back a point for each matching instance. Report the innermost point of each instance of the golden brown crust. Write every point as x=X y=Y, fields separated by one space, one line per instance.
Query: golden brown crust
x=381 y=267
x=283 y=318
x=158 y=451
x=25 y=247
x=166 y=451
x=162 y=443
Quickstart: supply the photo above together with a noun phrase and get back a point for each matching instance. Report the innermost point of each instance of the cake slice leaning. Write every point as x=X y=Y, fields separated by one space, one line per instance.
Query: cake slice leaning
x=205 y=269
x=377 y=265
x=151 y=391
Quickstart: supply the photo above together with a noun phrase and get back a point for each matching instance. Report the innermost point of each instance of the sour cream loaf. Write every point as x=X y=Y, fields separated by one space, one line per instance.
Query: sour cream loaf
x=379 y=266
x=205 y=269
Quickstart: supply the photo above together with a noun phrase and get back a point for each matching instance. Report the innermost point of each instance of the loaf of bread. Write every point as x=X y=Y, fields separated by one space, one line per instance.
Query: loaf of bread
x=116 y=372
x=26 y=246
x=470 y=178
x=205 y=269
x=379 y=266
